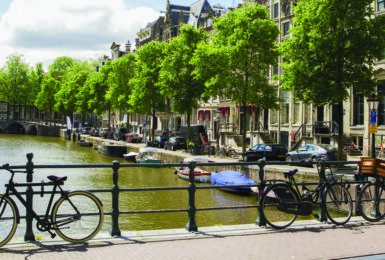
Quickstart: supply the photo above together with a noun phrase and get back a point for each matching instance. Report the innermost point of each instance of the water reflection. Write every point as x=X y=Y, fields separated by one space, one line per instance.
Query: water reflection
x=48 y=150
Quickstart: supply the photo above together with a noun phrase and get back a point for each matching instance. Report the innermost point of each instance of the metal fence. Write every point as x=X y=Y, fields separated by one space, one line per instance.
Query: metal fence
x=191 y=189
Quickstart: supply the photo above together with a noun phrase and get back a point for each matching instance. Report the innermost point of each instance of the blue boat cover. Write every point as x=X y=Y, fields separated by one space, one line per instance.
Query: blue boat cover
x=230 y=178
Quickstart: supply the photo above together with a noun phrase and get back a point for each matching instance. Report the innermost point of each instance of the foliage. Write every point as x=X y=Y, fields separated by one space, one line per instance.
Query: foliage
x=118 y=81
x=333 y=47
x=146 y=95
x=236 y=62
x=46 y=97
x=177 y=78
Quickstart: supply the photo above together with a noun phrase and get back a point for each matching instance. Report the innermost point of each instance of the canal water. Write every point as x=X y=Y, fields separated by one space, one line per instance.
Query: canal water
x=54 y=150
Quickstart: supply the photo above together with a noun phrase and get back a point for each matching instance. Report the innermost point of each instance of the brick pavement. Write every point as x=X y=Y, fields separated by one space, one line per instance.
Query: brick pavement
x=303 y=240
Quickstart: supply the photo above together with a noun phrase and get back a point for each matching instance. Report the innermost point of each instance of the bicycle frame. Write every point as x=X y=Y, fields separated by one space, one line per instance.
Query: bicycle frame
x=44 y=222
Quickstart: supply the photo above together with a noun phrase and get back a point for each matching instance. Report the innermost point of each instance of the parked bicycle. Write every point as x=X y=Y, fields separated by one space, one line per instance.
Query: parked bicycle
x=77 y=216
x=282 y=202
x=371 y=199
x=228 y=151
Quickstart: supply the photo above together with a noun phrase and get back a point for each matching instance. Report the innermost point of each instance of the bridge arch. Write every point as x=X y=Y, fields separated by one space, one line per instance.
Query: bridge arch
x=31 y=130
x=15 y=128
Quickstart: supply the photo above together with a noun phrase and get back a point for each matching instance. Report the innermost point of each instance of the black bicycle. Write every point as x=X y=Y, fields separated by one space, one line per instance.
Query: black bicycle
x=77 y=216
x=282 y=202
x=371 y=200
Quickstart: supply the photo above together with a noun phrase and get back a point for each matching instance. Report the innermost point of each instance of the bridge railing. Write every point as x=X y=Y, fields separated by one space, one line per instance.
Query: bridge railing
x=191 y=188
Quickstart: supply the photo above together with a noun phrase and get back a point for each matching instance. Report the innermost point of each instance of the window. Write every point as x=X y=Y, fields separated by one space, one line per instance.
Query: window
x=381 y=106
x=358 y=108
x=286 y=27
x=380 y=5
x=296 y=113
x=307 y=114
x=276 y=10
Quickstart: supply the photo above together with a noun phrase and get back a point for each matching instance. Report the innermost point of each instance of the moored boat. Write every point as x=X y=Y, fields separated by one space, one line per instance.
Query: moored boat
x=229 y=177
x=111 y=149
x=145 y=157
x=85 y=143
x=130 y=156
x=200 y=175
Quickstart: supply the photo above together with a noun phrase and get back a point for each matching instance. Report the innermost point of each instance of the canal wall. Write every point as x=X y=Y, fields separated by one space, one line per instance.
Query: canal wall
x=272 y=172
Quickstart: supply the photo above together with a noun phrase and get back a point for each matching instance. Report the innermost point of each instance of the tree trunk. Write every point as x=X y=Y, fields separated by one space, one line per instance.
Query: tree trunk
x=244 y=127
x=188 y=126
x=153 y=124
x=340 y=130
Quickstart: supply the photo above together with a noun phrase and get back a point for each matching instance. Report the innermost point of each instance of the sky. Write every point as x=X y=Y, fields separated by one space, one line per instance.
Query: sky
x=43 y=30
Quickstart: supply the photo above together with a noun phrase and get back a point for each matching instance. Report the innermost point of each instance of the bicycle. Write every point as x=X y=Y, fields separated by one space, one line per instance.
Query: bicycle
x=281 y=203
x=371 y=199
x=68 y=218
x=227 y=150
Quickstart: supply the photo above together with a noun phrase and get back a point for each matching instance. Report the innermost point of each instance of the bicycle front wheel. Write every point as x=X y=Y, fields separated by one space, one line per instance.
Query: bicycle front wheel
x=338 y=204
x=78 y=218
x=275 y=205
x=8 y=220
x=371 y=202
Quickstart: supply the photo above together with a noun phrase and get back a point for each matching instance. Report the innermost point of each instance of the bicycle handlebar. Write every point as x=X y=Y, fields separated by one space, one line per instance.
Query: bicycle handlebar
x=6 y=167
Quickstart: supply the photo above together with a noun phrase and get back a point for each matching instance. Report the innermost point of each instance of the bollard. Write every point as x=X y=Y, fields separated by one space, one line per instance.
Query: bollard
x=261 y=221
x=115 y=231
x=191 y=224
x=29 y=236
x=78 y=136
x=74 y=136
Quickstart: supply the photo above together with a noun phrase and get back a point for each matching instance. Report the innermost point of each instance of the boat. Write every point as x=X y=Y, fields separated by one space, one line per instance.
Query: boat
x=85 y=143
x=112 y=149
x=229 y=177
x=130 y=156
x=199 y=174
x=144 y=157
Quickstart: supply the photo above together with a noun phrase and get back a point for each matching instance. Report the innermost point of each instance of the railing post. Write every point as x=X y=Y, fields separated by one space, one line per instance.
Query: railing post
x=29 y=236
x=261 y=221
x=115 y=231
x=191 y=224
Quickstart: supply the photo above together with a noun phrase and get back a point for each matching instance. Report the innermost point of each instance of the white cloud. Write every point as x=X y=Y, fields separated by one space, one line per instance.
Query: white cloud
x=43 y=30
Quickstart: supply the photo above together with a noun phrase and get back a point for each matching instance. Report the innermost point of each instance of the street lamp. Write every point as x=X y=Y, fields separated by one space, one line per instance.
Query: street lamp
x=373 y=103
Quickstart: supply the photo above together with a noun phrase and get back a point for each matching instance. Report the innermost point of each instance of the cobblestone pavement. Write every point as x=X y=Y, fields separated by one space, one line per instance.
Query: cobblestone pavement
x=303 y=240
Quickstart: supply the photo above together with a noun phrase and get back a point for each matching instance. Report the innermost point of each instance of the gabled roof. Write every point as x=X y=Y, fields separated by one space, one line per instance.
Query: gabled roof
x=198 y=10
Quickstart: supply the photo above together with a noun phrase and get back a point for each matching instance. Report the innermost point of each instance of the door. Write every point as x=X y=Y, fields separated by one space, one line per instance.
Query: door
x=266 y=119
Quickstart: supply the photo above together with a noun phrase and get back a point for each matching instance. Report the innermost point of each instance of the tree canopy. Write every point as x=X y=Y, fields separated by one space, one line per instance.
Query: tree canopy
x=237 y=60
x=333 y=47
x=177 y=78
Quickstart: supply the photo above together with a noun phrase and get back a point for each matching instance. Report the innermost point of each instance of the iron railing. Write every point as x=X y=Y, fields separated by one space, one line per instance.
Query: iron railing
x=191 y=189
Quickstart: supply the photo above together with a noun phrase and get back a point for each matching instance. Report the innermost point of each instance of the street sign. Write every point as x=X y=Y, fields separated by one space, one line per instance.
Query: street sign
x=372 y=129
x=373 y=117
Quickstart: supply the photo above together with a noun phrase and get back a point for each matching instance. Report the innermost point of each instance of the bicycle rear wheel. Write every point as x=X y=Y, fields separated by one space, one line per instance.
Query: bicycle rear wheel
x=8 y=220
x=338 y=204
x=371 y=202
x=272 y=200
x=79 y=218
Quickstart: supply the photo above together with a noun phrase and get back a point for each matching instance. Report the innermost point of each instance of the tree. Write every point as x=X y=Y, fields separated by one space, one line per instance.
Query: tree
x=121 y=74
x=237 y=60
x=177 y=78
x=333 y=47
x=46 y=97
x=146 y=97
x=15 y=80
x=74 y=78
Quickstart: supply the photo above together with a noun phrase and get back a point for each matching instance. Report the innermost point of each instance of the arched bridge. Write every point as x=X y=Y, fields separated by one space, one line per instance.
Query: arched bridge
x=28 y=128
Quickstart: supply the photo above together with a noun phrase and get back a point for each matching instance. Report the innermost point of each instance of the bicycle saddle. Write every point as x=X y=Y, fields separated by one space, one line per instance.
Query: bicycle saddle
x=55 y=178
x=290 y=173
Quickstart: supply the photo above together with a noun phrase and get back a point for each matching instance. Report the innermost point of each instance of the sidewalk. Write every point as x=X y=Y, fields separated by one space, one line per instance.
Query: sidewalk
x=303 y=240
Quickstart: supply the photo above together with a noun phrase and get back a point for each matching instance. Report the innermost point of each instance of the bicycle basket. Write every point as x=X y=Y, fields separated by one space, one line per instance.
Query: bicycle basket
x=372 y=166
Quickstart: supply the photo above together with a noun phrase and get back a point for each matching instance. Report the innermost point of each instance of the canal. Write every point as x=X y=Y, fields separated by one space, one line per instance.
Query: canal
x=54 y=150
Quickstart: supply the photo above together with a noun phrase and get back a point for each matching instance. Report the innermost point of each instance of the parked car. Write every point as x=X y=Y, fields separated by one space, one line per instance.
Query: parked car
x=269 y=152
x=175 y=143
x=95 y=132
x=312 y=151
x=86 y=130
x=104 y=132
x=159 y=141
